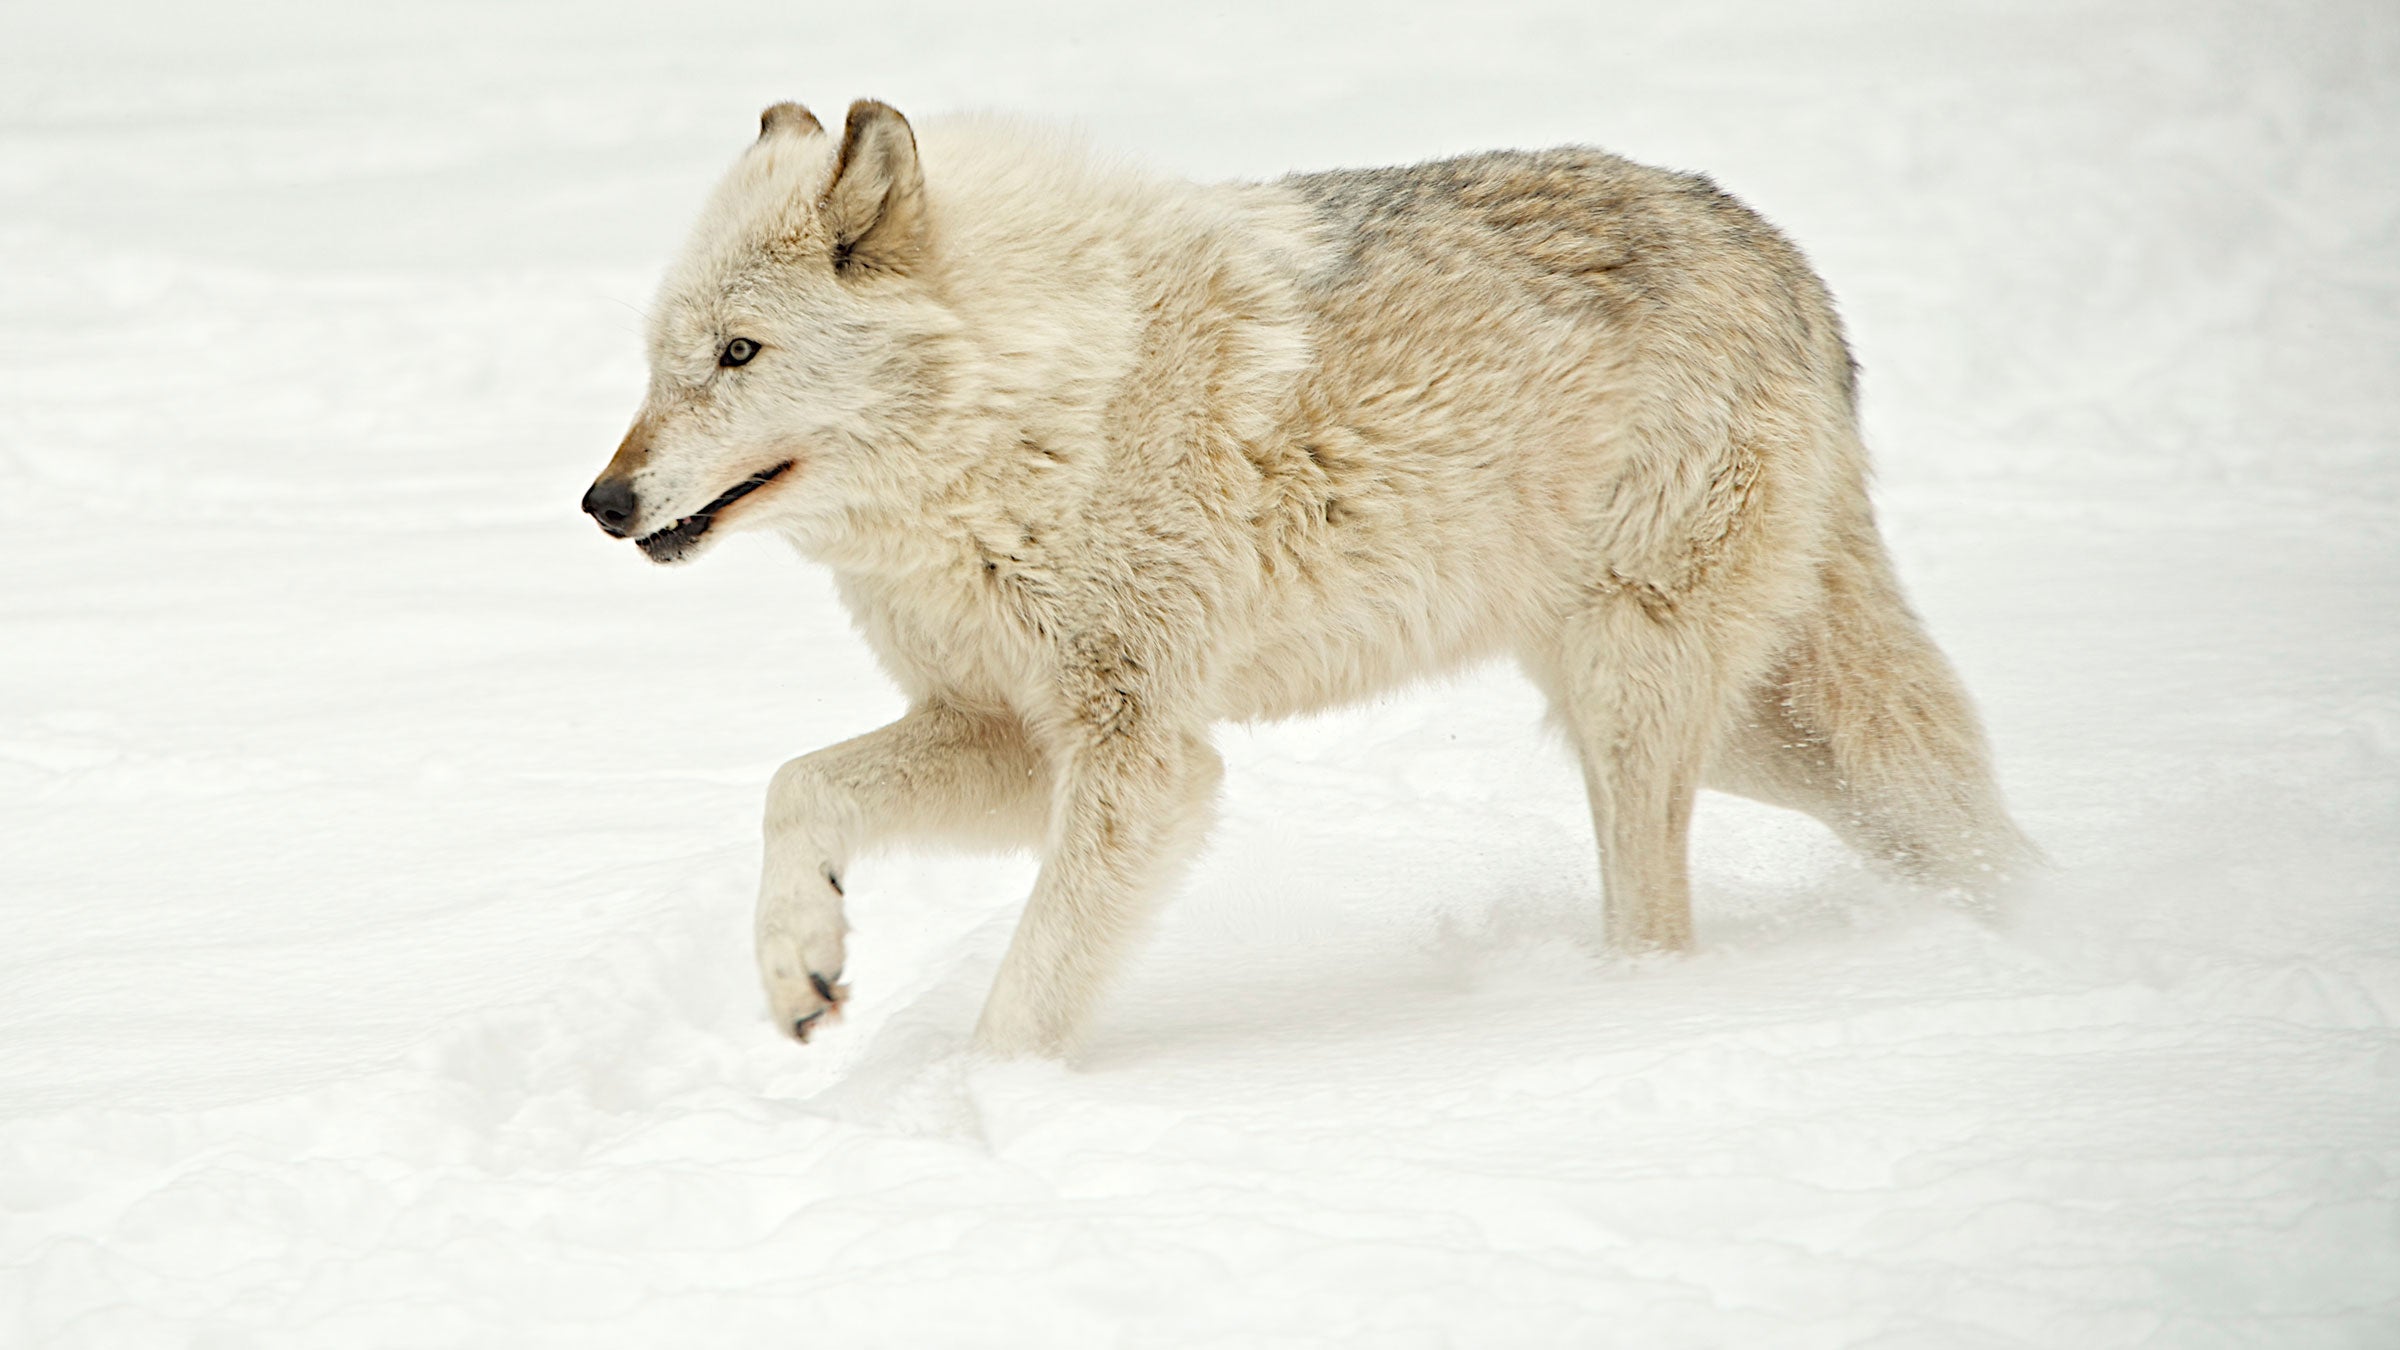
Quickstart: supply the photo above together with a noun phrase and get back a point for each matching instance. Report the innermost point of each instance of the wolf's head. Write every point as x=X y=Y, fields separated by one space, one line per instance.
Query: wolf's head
x=796 y=348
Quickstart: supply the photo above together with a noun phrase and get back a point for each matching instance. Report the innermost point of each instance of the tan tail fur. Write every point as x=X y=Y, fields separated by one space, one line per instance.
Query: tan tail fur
x=1863 y=724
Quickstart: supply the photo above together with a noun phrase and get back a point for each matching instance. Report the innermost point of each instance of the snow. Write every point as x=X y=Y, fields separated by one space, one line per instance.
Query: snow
x=377 y=840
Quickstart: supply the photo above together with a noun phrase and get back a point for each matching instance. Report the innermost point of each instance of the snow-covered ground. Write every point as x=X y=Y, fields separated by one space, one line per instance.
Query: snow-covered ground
x=377 y=840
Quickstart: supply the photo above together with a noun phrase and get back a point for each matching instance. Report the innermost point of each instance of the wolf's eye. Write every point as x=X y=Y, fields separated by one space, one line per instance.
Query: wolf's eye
x=737 y=352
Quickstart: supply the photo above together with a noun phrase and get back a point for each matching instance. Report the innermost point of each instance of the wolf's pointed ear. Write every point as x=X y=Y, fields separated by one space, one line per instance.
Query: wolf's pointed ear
x=790 y=119
x=875 y=204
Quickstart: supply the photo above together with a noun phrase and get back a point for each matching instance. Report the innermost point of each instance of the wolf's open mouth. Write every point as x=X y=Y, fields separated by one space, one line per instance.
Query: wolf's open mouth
x=671 y=543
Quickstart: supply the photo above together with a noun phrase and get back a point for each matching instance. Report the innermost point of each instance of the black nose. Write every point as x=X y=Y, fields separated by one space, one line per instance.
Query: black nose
x=611 y=503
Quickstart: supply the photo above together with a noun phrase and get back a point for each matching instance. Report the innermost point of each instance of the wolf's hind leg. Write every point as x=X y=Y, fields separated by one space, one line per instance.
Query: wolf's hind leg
x=937 y=772
x=1640 y=695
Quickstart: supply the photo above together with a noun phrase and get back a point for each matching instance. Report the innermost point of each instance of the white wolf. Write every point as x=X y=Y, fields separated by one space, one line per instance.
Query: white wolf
x=1099 y=460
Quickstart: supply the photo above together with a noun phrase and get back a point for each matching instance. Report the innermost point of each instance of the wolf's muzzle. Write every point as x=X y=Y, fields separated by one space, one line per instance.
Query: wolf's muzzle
x=611 y=502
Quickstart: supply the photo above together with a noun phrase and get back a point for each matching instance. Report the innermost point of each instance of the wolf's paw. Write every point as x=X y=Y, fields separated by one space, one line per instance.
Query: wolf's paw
x=1013 y=1027
x=830 y=997
x=803 y=980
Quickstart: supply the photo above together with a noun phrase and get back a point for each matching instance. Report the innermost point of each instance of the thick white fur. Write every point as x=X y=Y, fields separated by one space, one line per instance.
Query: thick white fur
x=1100 y=459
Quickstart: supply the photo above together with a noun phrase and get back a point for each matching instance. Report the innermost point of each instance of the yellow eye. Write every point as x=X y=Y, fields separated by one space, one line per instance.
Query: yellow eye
x=737 y=352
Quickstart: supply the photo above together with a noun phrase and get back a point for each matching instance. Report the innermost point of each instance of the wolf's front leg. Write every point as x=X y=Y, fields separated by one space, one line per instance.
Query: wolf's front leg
x=940 y=771
x=1130 y=808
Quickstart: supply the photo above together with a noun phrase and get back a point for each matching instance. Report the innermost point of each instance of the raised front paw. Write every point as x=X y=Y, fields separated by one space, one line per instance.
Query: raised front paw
x=800 y=963
x=829 y=998
x=800 y=996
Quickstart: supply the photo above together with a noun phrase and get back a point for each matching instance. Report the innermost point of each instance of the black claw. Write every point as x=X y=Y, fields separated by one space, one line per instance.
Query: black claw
x=800 y=1028
x=824 y=989
x=835 y=882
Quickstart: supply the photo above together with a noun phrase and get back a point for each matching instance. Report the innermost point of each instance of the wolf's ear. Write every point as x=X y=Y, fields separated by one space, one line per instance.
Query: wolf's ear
x=790 y=119
x=875 y=204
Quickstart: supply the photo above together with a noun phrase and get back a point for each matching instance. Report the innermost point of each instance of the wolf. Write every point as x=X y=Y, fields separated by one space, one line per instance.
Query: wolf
x=1099 y=459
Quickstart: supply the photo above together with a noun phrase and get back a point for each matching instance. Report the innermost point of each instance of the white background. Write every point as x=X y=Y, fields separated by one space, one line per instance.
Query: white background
x=377 y=840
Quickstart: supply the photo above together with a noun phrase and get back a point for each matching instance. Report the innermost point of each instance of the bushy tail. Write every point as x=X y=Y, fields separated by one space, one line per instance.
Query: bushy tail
x=1863 y=724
